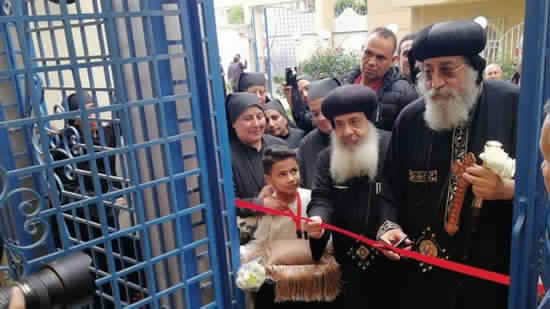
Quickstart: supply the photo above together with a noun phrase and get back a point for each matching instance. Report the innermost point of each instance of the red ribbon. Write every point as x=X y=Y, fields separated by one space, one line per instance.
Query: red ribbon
x=379 y=245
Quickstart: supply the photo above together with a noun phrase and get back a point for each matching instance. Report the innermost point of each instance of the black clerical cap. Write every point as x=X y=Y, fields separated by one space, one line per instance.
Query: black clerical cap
x=73 y=100
x=350 y=99
x=250 y=79
x=237 y=103
x=321 y=88
x=451 y=38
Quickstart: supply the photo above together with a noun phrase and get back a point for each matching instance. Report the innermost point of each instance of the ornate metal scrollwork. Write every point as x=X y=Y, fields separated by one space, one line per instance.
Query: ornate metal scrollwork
x=30 y=208
x=16 y=262
x=7 y=7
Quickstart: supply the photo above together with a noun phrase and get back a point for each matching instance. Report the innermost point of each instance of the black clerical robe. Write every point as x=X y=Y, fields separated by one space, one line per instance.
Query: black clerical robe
x=248 y=170
x=415 y=193
x=353 y=206
x=73 y=184
x=300 y=112
x=312 y=144
x=294 y=137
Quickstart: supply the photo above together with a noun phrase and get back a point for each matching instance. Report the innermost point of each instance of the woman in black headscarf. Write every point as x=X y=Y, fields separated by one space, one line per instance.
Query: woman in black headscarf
x=255 y=83
x=85 y=223
x=247 y=125
x=278 y=125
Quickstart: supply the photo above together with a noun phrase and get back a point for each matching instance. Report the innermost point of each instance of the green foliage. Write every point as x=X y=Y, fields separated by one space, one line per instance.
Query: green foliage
x=235 y=15
x=360 y=6
x=329 y=62
x=508 y=66
x=279 y=80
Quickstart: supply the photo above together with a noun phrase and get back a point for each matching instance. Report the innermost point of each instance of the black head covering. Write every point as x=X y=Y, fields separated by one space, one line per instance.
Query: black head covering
x=73 y=103
x=275 y=105
x=350 y=99
x=249 y=79
x=451 y=38
x=237 y=103
x=321 y=88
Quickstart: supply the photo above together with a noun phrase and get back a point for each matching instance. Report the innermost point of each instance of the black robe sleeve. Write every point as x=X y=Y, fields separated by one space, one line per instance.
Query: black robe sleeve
x=245 y=212
x=309 y=150
x=302 y=166
x=300 y=112
x=320 y=204
x=294 y=137
x=248 y=172
x=390 y=197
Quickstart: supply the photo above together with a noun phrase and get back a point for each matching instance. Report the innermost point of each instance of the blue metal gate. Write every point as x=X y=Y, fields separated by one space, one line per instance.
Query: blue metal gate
x=133 y=168
x=284 y=24
x=530 y=235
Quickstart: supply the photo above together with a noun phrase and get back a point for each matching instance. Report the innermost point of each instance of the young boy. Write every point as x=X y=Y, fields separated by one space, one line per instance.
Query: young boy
x=282 y=178
x=282 y=175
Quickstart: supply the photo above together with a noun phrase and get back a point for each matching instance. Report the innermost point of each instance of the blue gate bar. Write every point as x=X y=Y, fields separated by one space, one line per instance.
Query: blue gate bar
x=530 y=213
x=268 y=56
x=198 y=67
x=151 y=130
x=255 y=41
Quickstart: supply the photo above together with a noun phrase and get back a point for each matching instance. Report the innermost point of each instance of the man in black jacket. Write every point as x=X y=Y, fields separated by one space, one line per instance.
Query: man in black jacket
x=297 y=95
x=403 y=49
x=376 y=71
x=345 y=194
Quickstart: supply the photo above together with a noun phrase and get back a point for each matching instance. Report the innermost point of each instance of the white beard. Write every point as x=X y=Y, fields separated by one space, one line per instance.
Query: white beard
x=448 y=114
x=360 y=161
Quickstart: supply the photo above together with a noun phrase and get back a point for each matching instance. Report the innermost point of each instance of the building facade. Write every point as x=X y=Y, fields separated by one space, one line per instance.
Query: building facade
x=505 y=19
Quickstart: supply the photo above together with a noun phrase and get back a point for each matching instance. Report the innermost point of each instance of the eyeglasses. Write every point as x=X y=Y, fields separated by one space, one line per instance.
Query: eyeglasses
x=445 y=71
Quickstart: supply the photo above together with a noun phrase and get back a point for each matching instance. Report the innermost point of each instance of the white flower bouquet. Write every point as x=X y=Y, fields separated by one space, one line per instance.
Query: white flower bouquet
x=251 y=275
x=497 y=160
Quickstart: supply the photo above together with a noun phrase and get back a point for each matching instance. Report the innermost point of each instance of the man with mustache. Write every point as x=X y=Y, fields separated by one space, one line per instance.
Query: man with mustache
x=458 y=114
x=403 y=49
x=345 y=193
x=377 y=72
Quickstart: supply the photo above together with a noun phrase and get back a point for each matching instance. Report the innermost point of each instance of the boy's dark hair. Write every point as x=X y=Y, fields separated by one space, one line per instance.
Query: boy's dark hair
x=276 y=154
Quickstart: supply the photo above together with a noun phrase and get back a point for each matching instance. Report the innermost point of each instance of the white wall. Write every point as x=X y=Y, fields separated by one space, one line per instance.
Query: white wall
x=92 y=39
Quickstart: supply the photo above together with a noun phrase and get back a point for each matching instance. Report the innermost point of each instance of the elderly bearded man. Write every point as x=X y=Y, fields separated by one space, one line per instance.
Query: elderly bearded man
x=458 y=114
x=345 y=194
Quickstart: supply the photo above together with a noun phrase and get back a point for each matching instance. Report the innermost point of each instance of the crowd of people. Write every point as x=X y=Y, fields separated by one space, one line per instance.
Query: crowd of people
x=375 y=153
